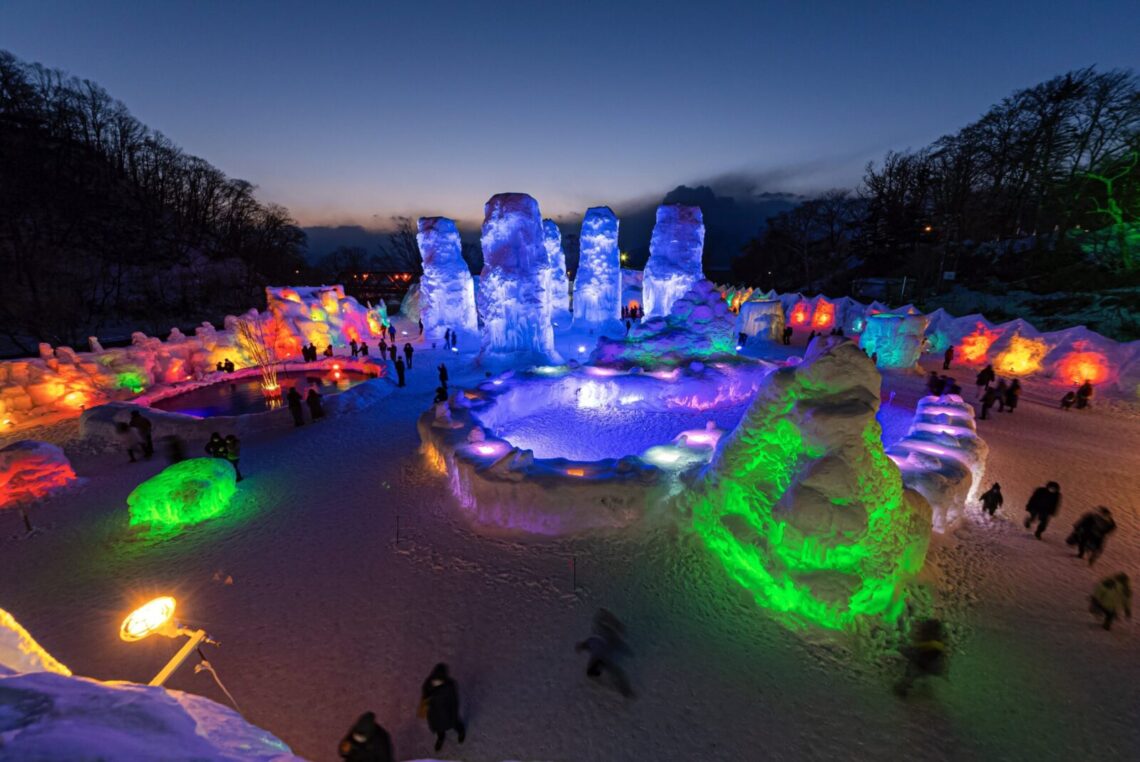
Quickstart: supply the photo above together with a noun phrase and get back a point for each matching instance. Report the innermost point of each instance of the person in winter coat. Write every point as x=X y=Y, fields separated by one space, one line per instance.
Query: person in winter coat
x=293 y=398
x=934 y=384
x=1011 y=395
x=926 y=656
x=420 y=323
x=1002 y=391
x=144 y=429
x=992 y=499
x=399 y=368
x=383 y=349
x=988 y=399
x=948 y=357
x=328 y=350
x=392 y=352
x=216 y=447
x=442 y=375
x=604 y=645
x=367 y=742
x=408 y=352
x=1110 y=597
x=1084 y=395
x=1042 y=506
x=392 y=333
x=440 y=395
x=316 y=409
x=229 y=366
x=232 y=453
x=985 y=377
x=364 y=349
x=1090 y=532
x=174 y=448
x=447 y=337
x=787 y=335
x=1068 y=400
x=439 y=703
x=353 y=348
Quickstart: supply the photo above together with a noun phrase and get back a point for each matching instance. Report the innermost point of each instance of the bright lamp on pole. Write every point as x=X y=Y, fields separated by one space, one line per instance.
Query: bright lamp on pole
x=156 y=617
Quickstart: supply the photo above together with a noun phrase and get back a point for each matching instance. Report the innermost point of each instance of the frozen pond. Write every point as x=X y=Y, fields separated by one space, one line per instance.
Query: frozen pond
x=243 y=396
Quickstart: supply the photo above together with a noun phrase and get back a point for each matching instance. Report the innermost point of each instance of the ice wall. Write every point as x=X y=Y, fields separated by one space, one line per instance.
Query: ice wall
x=762 y=319
x=674 y=257
x=597 y=286
x=557 y=285
x=447 y=291
x=802 y=505
x=516 y=325
x=894 y=340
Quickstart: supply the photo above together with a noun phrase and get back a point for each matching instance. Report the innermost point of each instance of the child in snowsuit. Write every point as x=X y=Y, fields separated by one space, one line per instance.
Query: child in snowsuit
x=1111 y=596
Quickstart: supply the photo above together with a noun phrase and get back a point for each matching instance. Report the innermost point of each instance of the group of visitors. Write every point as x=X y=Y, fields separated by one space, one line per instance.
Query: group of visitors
x=228 y=448
x=1004 y=395
x=632 y=312
x=296 y=405
x=361 y=349
x=1080 y=398
x=938 y=385
x=814 y=333
x=368 y=741
x=225 y=367
x=450 y=339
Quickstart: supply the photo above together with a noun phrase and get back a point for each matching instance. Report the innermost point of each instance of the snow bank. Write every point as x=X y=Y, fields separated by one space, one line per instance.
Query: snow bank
x=675 y=251
x=447 y=292
x=942 y=457
x=516 y=323
x=801 y=503
x=19 y=652
x=31 y=470
x=597 y=286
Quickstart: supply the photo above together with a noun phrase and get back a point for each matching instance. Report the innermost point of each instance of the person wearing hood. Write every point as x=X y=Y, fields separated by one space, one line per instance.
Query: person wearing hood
x=367 y=742
x=992 y=499
x=439 y=703
x=1112 y=596
x=1090 y=532
x=313 y=400
x=1042 y=506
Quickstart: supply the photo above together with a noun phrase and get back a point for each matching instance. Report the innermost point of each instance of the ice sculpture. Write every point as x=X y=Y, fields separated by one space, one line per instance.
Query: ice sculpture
x=895 y=341
x=762 y=319
x=557 y=286
x=31 y=470
x=802 y=505
x=674 y=257
x=597 y=287
x=447 y=292
x=516 y=327
x=182 y=494
x=942 y=457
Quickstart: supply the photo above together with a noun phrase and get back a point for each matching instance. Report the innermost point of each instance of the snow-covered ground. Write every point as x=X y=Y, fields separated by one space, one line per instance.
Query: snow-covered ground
x=328 y=615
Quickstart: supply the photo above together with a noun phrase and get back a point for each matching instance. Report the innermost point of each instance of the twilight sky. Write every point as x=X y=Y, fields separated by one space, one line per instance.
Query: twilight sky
x=352 y=112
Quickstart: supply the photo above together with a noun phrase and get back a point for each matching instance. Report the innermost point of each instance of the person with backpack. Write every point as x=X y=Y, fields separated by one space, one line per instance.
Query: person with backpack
x=1111 y=597
x=1042 y=506
x=439 y=705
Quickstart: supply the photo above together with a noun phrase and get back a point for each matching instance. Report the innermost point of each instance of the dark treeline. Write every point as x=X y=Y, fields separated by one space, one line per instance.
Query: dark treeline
x=1042 y=193
x=105 y=225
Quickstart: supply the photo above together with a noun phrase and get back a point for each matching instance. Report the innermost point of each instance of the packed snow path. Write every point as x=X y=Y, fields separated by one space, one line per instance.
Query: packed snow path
x=327 y=616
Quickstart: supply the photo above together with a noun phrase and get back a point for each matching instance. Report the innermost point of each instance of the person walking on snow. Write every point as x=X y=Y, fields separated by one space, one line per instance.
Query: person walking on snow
x=1084 y=394
x=991 y=499
x=1002 y=392
x=383 y=349
x=364 y=349
x=316 y=408
x=392 y=352
x=392 y=333
x=293 y=398
x=354 y=348
x=985 y=377
x=367 y=742
x=443 y=375
x=1011 y=395
x=144 y=429
x=1091 y=531
x=439 y=704
x=604 y=646
x=948 y=357
x=1042 y=506
x=399 y=368
x=1110 y=597
x=925 y=657
x=408 y=352
x=232 y=453
x=420 y=323
x=988 y=399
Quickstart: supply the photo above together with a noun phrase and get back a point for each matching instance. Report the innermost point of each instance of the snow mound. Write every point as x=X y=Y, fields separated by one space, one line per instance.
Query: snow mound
x=699 y=327
x=48 y=716
x=19 y=651
x=184 y=493
x=31 y=470
x=675 y=251
x=942 y=457
x=802 y=505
